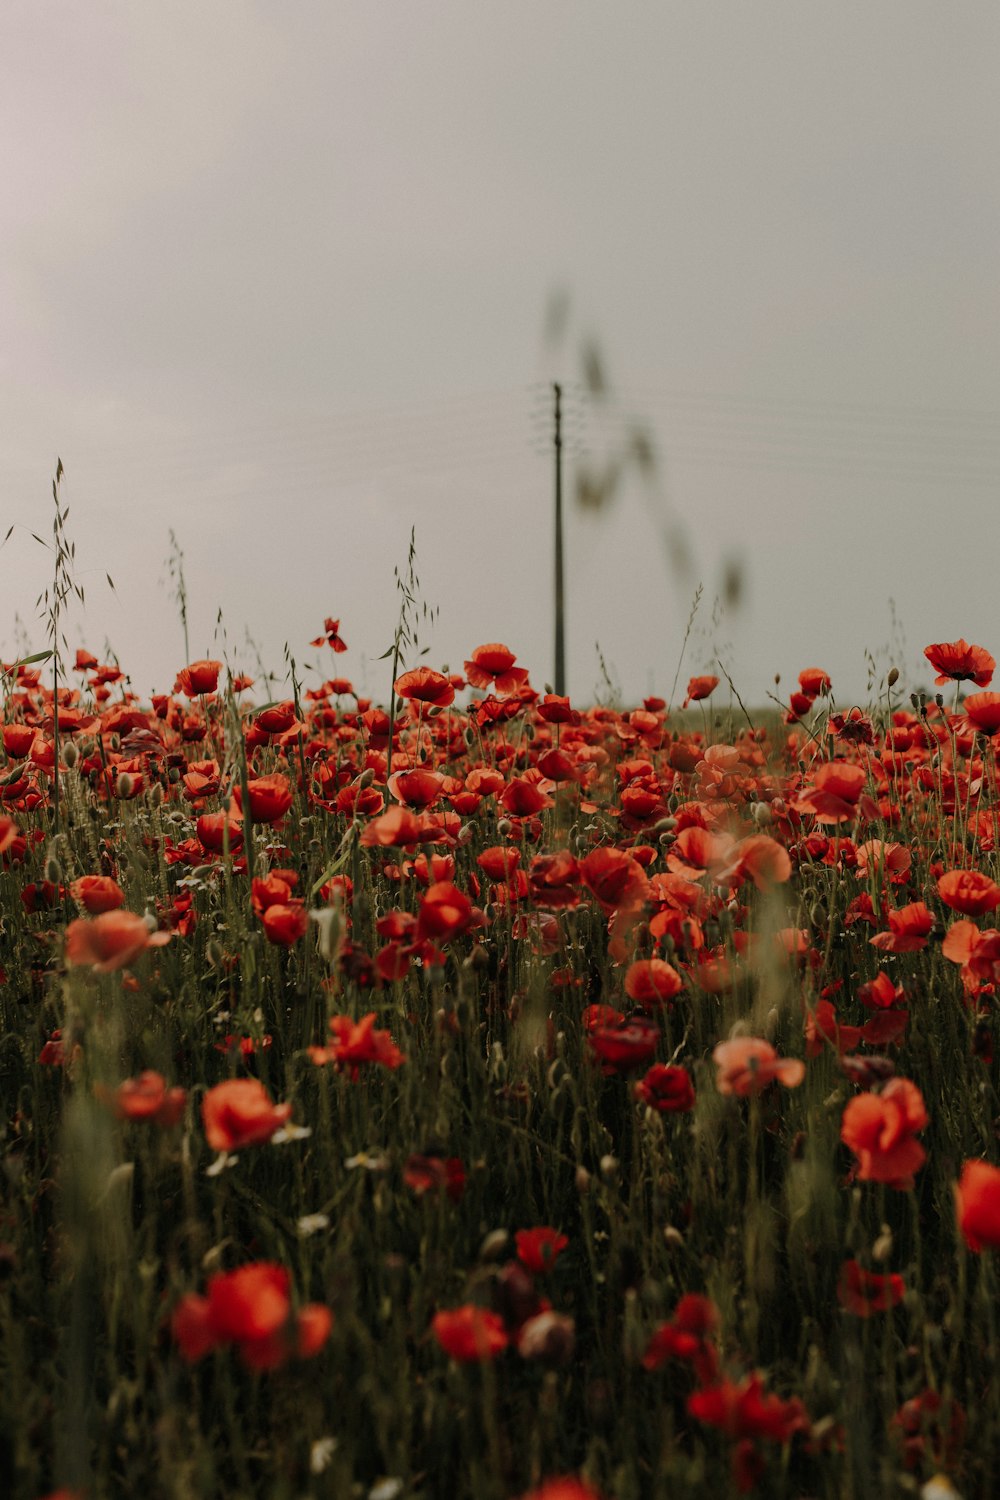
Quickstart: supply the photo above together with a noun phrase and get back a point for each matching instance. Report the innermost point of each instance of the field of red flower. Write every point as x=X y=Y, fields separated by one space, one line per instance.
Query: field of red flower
x=487 y=1096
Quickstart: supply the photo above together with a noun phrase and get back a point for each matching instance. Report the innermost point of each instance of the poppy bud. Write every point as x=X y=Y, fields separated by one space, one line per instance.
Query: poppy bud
x=53 y=870
x=893 y=677
x=366 y=778
x=582 y=1180
x=504 y=827
x=609 y=1169
x=665 y=825
x=116 y=742
x=673 y=1238
x=70 y=756
x=494 y=1245
x=214 y=953
x=124 y=786
x=156 y=794
x=761 y=814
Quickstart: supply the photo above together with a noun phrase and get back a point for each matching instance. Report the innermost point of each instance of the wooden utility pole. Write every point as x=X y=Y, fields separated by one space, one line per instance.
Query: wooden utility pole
x=560 y=664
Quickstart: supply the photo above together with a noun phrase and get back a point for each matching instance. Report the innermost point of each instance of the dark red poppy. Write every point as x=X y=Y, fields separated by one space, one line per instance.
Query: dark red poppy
x=667 y=1089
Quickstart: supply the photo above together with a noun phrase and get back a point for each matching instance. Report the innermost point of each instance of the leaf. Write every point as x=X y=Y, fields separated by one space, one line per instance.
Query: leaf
x=28 y=661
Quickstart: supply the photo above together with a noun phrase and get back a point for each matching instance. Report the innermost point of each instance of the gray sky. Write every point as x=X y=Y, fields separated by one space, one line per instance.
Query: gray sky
x=276 y=276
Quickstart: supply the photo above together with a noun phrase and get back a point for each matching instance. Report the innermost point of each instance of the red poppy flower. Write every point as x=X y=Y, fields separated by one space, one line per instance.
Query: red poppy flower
x=97 y=893
x=650 y=982
x=977 y=1204
x=111 y=941
x=424 y=685
x=492 y=666
x=445 y=911
x=18 y=740
x=624 y=1045
x=566 y=1487
x=147 y=1098
x=285 y=922
x=270 y=798
x=881 y=1130
x=747 y=1065
x=523 y=797
x=687 y=1336
x=394 y=828
x=957 y=661
x=556 y=710
x=968 y=891
x=865 y=1292
x=424 y=1174
x=823 y=1026
x=908 y=929
x=417 y=788
x=239 y=1113
x=759 y=858
x=814 y=682
x=700 y=687
x=199 y=678
x=615 y=878
x=539 y=1249
x=984 y=711
x=745 y=1411
x=330 y=636
x=470 y=1334
x=667 y=1089
x=356 y=1043
x=251 y=1308
x=214 y=830
x=279 y=718
x=835 y=795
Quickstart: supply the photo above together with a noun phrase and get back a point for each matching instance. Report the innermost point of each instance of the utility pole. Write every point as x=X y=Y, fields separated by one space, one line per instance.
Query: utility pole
x=560 y=665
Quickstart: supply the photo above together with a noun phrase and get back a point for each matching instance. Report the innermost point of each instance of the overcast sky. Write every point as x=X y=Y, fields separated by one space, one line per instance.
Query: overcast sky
x=276 y=277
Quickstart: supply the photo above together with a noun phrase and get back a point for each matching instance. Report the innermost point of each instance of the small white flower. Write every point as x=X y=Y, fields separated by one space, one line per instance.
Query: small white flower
x=321 y=1453
x=221 y=1162
x=371 y=1161
x=291 y=1133
x=386 y=1489
x=312 y=1224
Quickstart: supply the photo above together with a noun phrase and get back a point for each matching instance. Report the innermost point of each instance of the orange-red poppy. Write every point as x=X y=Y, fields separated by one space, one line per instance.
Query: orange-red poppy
x=197 y=679
x=699 y=688
x=968 y=891
x=97 y=893
x=957 y=661
x=110 y=941
x=881 y=1130
x=747 y=1065
x=493 y=667
x=147 y=1098
x=270 y=797
x=424 y=685
x=240 y=1113
x=983 y=709
x=651 y=982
